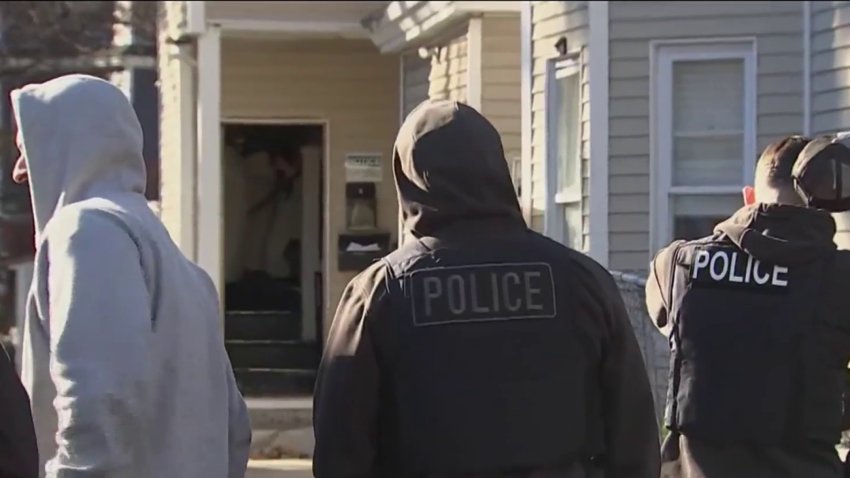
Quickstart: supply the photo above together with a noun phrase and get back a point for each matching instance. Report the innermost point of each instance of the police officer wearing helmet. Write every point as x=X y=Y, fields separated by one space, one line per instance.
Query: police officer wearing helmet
x=756 y=316
x=479 y=348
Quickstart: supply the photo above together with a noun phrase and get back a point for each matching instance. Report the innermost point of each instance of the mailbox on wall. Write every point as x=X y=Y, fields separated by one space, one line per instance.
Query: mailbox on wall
x=361 y=207
x=362 y=243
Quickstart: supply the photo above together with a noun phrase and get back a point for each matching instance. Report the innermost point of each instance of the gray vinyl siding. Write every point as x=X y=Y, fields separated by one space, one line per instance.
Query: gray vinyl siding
x=830 y=66
x=415 y=77
x=442 y=76
x=777 y=28
x=831 y=80
x=550 y=21
x=449 y=72
x=501 y=79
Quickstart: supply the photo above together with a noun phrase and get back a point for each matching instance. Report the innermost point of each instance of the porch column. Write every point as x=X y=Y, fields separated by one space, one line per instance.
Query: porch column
x=23 y=279
x=475 y=50
x=210 y=216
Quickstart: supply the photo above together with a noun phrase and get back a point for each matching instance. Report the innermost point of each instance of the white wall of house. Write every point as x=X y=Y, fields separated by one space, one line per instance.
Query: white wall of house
x=677 y=70
x=344 y=82
x=566 y=122
x=414 y=83
x=255 y=83
x=247 y=65
x=449 y=67
x=558 y=105
x=500 y=77
x=830 y=80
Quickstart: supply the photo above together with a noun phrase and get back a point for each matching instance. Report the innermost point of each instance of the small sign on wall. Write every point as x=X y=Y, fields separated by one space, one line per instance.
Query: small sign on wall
x=363 y=168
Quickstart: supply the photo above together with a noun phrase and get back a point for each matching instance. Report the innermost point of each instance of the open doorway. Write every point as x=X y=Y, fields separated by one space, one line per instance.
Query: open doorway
x=272 y=237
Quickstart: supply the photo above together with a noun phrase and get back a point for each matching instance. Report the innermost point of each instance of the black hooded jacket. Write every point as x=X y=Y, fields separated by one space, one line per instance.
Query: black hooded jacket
x=18 y=450
x=793 y=238
x=479 y=348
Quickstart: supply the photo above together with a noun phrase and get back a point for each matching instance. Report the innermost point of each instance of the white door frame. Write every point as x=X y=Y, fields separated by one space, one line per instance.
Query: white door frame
x=207 y=204
x=210 y=253
x=327 y=248
x=23 y=279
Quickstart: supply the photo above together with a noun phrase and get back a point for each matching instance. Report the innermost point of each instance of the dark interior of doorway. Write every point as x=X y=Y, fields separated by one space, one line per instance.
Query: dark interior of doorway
x=270 y=173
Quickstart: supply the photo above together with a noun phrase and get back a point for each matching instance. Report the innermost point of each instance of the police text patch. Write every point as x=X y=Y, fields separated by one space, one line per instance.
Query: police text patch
x=480 y=293
x=728 y=267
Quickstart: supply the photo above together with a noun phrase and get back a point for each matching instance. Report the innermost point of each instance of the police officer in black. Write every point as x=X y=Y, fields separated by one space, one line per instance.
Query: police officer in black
x=479 y=348
x=18 y=450
x=757 y=318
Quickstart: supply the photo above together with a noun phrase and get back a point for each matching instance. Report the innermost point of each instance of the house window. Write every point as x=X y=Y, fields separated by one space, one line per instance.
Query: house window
x=563 y=219
x=704 y=136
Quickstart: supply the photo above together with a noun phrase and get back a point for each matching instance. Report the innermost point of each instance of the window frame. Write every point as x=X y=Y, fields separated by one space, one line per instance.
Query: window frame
x=557 y=69
x=664 y=55
x=515 y=163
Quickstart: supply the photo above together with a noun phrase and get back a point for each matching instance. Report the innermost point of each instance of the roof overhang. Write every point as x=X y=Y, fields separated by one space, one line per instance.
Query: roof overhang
x=291 y=29
x=107 y=60
x=318 y=22
x=403 y=25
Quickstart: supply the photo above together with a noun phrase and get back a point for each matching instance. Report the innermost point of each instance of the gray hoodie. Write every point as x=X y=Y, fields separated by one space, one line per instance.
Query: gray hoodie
x=123 y=353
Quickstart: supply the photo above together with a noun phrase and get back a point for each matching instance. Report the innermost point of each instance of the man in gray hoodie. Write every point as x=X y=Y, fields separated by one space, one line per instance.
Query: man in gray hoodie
x=123 y=354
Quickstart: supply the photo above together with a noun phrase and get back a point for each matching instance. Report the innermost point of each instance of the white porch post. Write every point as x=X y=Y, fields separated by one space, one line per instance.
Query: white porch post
x=187 y=111
x=23 y=279
x=210 y=182
x=402 y=100
x=526 y=80
x=475 y=50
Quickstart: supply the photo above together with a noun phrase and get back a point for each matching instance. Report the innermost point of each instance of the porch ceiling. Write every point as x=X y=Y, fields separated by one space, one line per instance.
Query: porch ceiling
x=305 y=11
x=302 y=18
x=407 y=24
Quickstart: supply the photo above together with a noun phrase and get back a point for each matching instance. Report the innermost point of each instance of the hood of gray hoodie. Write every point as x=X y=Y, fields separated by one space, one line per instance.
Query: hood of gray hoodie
x=101 y=369
x=81 y=139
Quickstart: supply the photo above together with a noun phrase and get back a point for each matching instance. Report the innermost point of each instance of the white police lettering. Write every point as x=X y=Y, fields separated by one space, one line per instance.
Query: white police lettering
x=727 y=265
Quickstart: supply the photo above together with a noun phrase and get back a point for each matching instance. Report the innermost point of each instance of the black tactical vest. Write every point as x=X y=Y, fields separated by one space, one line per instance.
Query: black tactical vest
x=745 y=363
x=491 y=369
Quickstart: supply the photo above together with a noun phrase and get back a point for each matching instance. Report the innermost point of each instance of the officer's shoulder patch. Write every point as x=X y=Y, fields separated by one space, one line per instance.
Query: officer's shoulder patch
x=482 y=293
x=726 y=266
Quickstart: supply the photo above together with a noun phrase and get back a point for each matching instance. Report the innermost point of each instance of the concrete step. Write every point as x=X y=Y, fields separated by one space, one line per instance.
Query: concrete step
x=282 y=427
x=297 y=443
x=273 y=354
x=268 y=382
x=262 y=325
x=287 y=413
x=286 y=468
